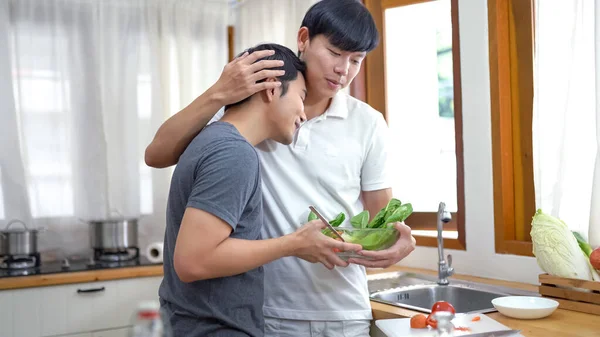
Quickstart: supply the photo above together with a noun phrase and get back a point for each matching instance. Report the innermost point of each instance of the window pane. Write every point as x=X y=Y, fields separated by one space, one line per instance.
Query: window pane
x=420 y=93
x=51 y=197
x=50 y=94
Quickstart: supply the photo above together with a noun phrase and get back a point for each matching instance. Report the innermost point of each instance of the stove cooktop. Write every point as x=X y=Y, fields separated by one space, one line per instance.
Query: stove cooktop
x=75 y=265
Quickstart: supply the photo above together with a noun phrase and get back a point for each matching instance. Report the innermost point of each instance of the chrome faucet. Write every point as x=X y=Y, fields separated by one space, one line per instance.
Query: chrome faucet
x=445 y=269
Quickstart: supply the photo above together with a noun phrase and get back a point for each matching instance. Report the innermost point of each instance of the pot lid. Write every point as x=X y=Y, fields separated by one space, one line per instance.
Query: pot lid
x=12 y=229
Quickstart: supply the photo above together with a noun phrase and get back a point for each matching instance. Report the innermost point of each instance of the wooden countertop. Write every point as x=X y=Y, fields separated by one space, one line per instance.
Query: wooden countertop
x=560 y=323
x=16 y=282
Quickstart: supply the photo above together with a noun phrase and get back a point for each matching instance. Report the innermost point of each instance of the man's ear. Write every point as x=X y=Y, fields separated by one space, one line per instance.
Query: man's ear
x=303 y=39
x=269 y=94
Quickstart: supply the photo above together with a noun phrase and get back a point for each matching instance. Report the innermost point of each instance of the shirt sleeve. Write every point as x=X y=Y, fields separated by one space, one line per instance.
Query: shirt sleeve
x=225 y=180
x=375 y=173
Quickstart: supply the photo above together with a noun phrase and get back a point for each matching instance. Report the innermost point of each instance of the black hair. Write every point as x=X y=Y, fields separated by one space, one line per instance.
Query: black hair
x=347 y=24
x=292 y=65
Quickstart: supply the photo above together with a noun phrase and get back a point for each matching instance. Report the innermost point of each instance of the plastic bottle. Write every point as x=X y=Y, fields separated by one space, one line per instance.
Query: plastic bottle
x=148 y=321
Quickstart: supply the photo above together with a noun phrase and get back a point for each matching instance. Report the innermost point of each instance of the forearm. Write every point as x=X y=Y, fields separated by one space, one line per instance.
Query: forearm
x=173 y=137
x=236 y=256
x=374 y=201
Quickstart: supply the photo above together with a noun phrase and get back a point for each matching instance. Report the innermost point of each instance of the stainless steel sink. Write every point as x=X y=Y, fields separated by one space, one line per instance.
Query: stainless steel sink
x=422 y=298
x=419 y=292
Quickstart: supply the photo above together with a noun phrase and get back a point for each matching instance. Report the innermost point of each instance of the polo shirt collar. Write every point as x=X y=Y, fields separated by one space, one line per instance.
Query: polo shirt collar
x=338 y=107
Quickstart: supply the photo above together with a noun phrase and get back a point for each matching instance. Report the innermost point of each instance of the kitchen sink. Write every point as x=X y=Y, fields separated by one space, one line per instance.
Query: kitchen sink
x=422 y=298
x=419 y=292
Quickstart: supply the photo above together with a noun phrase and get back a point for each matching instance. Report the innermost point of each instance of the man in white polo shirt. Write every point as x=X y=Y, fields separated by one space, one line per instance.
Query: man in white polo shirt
x=337 y=162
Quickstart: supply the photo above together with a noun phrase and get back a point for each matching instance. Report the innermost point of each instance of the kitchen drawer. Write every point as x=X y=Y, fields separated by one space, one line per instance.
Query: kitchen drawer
x=94 y=306
x=79 y=308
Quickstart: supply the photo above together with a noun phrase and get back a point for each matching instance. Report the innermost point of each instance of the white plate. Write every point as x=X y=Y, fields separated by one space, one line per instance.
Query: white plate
x=525 y=307
x=400 y=327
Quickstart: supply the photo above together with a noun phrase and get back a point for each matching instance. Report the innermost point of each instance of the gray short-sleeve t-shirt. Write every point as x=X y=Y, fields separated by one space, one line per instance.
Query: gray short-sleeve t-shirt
x=218 y=173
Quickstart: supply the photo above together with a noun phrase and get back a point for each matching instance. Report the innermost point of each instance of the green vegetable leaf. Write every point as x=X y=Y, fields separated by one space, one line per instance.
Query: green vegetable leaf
x=380 y=219
x=377 y=220
x=392 y=205
x=377 y=240
x=335 y=222
x=360 y=220
x=400 y=214
x=585 y=247
x=338 y=220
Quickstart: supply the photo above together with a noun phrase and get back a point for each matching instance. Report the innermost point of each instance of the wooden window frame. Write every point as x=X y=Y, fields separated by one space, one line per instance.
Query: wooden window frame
x=230 y=43
x=371 y=80
x=511 y=36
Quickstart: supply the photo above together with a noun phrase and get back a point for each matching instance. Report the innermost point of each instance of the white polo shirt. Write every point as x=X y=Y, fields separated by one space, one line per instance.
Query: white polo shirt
x=333 y=158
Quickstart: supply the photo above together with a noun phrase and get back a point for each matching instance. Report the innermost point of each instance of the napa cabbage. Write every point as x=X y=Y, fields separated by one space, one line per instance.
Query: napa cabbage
x=556 y=249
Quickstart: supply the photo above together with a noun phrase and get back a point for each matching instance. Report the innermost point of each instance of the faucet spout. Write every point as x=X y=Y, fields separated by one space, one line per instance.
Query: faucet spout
x=445 y=267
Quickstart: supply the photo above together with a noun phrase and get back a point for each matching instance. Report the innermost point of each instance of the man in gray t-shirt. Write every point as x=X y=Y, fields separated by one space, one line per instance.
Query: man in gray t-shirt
x=213 y=251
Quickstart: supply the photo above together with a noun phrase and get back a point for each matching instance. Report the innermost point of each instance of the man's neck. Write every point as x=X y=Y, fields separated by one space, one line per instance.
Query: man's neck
x=249 y=122
x=316 y=106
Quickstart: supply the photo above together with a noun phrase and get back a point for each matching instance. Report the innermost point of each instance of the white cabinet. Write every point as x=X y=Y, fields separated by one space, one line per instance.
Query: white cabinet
x=19 y=313
x=124 y=332
x=94 y=309
x=77 y=308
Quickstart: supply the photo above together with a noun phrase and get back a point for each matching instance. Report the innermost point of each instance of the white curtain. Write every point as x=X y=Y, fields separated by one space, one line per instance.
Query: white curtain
x=274 y=21
x=566 y=124
x=84 y=85
x=269 y=21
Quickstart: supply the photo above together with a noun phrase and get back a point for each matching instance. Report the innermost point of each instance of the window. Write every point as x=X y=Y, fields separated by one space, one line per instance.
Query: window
x=44 y=124
x=144 y=113
x=419 y=94
x=511 y=37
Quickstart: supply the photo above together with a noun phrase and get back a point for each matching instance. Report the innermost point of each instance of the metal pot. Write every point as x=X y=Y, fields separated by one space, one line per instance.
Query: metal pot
x=18 y=241
x=114 y=233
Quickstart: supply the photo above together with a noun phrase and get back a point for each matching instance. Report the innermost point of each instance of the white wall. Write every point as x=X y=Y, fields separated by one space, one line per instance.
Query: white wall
x=480 y=258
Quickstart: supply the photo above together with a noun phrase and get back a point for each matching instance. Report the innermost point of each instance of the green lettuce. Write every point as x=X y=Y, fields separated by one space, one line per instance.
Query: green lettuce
x=339 y=219
x=363 y=233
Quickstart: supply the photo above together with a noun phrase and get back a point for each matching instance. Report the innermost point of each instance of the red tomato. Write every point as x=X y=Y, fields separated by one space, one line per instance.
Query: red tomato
x=439 y=306
x=442 y=306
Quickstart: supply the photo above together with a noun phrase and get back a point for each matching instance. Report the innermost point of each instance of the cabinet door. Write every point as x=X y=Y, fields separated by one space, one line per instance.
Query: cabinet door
x=19 y=313
x=124 y=332
x=133 y=291
x=78 y=308
x=6 y=312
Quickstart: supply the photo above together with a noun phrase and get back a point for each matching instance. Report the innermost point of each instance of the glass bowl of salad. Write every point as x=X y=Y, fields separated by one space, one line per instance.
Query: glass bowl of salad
x=369 y=238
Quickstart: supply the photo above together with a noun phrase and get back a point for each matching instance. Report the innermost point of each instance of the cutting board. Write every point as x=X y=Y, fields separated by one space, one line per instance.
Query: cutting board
x=400 y=327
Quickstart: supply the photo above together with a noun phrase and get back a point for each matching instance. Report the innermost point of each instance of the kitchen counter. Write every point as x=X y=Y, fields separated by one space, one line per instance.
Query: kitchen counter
x=68 y=277
x=560 y=323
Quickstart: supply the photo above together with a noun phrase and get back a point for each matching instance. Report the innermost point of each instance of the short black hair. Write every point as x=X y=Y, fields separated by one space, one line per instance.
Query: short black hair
x=347 y=24
x=292 y=65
